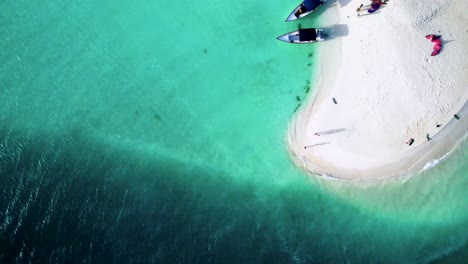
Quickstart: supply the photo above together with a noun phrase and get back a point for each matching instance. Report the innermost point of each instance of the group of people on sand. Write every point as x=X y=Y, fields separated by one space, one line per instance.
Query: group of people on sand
x=411 y=140
x=374 y=6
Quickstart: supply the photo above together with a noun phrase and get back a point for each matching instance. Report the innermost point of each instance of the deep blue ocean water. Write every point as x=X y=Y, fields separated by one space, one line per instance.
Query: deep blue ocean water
x=143 y=132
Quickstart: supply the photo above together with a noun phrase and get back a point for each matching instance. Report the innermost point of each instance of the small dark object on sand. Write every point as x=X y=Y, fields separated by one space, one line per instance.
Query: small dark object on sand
x=359 y=8
x=375 y=5
x=456 y=116
x=334 y=100
x=438 y=125
x=428 y=137
x=410 y=141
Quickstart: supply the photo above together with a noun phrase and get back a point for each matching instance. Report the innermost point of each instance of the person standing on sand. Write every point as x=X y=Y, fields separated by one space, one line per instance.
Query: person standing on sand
x=359 y=8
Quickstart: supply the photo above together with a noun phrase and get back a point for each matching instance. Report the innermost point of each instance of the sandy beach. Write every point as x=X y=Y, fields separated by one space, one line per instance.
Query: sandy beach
x=378 y=86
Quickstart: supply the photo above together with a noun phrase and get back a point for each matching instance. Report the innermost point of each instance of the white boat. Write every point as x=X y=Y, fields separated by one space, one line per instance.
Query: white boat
x=303 y=36
x=305 y=8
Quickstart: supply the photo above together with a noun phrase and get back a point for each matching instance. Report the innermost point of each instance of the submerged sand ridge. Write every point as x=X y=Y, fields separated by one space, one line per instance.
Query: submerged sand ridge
x=388 y=89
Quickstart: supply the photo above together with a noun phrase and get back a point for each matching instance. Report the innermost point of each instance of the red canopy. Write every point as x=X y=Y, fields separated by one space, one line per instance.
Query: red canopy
x=437 y=44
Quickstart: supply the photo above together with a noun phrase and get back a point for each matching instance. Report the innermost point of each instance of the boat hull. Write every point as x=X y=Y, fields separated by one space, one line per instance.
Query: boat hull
x=293 y=37
x=293 y=17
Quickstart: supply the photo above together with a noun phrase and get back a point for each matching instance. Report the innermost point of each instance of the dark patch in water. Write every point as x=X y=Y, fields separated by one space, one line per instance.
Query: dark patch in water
x=307 y=87
x=83 y=201
x=297 y=107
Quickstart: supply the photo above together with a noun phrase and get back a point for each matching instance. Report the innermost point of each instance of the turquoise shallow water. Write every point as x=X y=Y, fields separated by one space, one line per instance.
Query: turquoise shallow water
x=139 y=132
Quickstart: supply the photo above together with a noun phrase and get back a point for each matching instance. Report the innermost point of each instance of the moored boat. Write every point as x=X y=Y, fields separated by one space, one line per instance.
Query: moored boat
x=303 y=36
x=305 y=8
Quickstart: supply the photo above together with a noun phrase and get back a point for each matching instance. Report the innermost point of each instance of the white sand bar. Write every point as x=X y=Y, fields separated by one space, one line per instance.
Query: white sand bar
x=388 y=89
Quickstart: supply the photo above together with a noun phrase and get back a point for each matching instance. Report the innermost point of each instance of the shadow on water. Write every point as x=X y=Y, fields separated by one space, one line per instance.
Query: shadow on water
x=343 y=3
x=333 y=31
x=72 y=200
x=336 y=31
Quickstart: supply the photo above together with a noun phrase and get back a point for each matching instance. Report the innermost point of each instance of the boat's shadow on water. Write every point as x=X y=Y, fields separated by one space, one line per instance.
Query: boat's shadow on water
x=330 y=3
x=342 y=3
x=336 y=31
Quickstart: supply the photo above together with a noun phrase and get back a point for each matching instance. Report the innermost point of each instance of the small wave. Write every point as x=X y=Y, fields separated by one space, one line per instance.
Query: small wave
x=328 y=177
x=430 y=164
x=333 y=178
x=434 y=162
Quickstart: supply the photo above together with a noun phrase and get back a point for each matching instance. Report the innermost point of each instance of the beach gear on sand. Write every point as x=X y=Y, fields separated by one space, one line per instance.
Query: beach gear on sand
x=410 y=141
x=437 y=44
x=374 y=7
